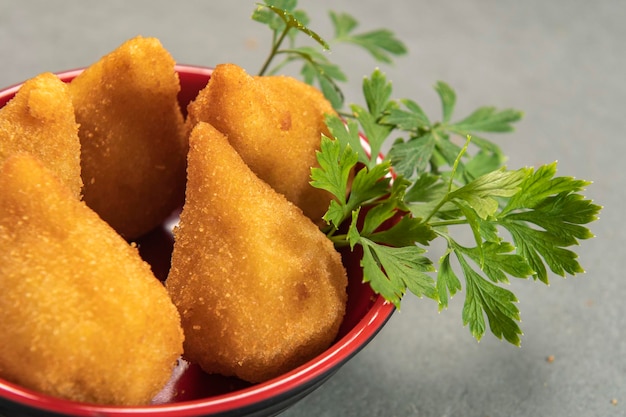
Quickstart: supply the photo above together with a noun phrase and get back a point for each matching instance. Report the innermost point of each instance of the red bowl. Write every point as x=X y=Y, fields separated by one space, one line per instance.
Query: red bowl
x=191 y=392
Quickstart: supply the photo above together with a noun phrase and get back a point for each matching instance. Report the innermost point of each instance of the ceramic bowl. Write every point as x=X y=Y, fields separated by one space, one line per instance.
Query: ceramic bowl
x=191 y=392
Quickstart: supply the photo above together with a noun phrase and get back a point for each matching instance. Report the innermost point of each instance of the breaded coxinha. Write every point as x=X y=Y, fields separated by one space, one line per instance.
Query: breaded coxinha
x=82 y=317
x=40 y=120
x=134 y=142
x=275 y=123
x=259 y=287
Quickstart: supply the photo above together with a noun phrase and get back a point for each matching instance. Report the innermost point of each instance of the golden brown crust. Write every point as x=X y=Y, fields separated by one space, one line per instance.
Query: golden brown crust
x=133 y=136
x=85 y=317
x=275 y=123
x=260 y=289
x=40 y=121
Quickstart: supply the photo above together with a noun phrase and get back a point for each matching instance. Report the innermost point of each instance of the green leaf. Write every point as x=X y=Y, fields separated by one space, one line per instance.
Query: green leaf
x=343 y=23
x=407 y=231
x=264 y=14
x=331 y=91
x=316 y=65
x=377 y=92
x=535 y=245
x=562 y=215
x=482 y=163
x=448 y=100
x=412 y=157
x=498 y=260
x=374 y=132
x=392 y=270
x=317 y=68
x=336 y=163
x=475 y=222
x=390 y=206
x=545 y=217
x=480 y=194
x=376 y=216
x=447 y=282
x=291 y=21
x=369 y=185
x=426 y=188
x=540 y=184
x=348 y=134
x=484 y=298
x=487 y=119
x=412 y=119
x=335 y=215
x=444 y=147
x=380 y=43
x=390 y=287
x=354 y=236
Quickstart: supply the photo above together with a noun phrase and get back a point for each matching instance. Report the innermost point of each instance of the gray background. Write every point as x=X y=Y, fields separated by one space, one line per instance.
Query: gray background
x=561 y=62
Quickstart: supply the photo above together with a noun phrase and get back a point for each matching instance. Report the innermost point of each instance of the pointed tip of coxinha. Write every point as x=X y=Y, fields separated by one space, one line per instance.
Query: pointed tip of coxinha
x=40 y=120
x=259 y=287
x=87 y=319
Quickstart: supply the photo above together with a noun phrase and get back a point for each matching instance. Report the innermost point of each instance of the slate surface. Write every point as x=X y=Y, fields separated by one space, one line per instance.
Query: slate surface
x=562 y=62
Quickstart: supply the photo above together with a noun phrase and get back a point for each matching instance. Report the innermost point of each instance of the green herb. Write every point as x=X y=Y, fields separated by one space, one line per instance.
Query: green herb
x=437 y=178
x=286 y=22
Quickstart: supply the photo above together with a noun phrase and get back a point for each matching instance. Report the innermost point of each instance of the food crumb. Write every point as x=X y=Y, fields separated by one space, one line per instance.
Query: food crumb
x=614 y=401
x=550 y=359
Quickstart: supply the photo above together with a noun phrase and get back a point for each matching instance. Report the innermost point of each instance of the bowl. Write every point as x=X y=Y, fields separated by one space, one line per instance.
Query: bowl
x=190 y=391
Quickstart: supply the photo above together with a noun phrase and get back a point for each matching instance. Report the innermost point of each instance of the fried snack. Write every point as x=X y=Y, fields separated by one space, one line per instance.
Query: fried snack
x=40 y=120
x=134 y=143
x=259 y=287
x=81 y=315
x=275 y=123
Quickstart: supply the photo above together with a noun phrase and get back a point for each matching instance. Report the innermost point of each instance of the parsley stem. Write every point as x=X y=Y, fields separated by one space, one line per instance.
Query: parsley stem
x=445 y=198
x=435 y=210
x=339 y=240
x=274 y=50
x=444 y=223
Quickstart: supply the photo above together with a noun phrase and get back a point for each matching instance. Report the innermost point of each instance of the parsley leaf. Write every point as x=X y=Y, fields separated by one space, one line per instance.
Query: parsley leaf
x=380 y=43
x=546 y=216
x=484 y=298
x=336 y=163
x=448 y=283
x=430 y=145
x=392 y=270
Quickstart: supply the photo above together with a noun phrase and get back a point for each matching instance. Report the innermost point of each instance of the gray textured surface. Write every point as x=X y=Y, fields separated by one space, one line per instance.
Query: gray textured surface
x=562 y=62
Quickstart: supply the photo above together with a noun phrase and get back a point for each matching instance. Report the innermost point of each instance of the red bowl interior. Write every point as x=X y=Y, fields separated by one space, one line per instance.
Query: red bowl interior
x=191 y=392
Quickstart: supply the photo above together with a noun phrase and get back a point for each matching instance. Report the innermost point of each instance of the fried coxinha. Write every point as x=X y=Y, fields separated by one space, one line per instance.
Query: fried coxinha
x=85 y=317
x=40 y=120
x=259 y=287
x=132 y=134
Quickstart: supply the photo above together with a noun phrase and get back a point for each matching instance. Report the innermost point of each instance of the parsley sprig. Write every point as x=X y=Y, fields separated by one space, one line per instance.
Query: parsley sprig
x=436 y=178
x=286 y=22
